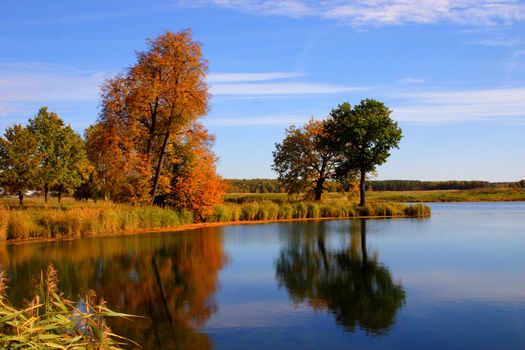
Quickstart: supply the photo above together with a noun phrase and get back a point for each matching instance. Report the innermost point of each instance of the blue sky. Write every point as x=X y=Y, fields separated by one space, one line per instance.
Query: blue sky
x=452 y=71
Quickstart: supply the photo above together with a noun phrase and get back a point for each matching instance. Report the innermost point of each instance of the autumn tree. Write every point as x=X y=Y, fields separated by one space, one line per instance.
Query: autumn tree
x=303 y=160
x=19 y=160
x=155 y=101
x=119 y=174
x=62 y=153
x=195 y=185
x=363 y=136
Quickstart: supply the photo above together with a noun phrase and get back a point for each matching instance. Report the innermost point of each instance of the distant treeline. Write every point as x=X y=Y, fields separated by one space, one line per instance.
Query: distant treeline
x=275 y=186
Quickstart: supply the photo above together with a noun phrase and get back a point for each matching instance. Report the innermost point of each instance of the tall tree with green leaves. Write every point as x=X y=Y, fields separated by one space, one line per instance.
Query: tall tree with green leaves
x=19 y=160
x=363 y=136
x=303 y=160
x=62 y=153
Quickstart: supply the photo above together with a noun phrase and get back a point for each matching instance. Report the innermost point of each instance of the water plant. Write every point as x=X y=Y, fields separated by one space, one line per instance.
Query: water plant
x=51 y=321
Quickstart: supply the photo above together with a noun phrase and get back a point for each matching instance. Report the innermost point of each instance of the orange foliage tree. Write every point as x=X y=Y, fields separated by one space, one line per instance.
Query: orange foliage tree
x=303 y=161
x=196 y=185
x=149 y=114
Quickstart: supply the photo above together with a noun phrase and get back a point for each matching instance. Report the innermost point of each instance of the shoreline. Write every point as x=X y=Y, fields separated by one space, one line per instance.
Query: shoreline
x=196 y=226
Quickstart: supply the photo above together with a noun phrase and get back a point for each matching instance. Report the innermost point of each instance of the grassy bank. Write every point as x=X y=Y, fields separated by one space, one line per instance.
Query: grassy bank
x=92 y=220
x=81 y=219
x=486 y=194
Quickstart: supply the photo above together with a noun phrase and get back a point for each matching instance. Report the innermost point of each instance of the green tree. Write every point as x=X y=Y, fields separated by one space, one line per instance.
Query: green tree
x=62 y=152
x=303 y=160
x=19 y=160
x=364 y=136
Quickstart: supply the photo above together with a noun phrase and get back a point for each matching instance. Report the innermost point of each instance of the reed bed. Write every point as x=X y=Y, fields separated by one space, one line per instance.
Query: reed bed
x=104 y=219
x=51 y=321
x=265 y=210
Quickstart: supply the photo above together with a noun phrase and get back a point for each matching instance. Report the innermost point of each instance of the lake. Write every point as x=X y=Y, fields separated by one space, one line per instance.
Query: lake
x=452 y=281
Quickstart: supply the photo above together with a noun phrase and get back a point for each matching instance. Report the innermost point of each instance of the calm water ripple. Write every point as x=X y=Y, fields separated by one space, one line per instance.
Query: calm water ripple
x=453 y=281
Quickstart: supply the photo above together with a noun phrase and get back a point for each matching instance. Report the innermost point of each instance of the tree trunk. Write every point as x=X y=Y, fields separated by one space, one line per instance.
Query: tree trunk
x=318 y=191
x=159 y=167
x=20 y=198
x=46 y=191
x=59 y=196
x=362 y=188
x=363 y=241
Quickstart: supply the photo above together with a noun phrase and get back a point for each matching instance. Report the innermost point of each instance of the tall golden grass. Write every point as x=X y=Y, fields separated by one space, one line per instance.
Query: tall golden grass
x=51 y=321
x=262 y=210
x=106 y=219
x=103 y=219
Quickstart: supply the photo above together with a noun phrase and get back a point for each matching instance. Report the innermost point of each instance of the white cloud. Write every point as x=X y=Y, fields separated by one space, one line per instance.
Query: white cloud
x=291 y=8
x=385 y=12
x=412 y=80
x=467 y=105
x=248 y=77
x=496 y=42
x=273 y=120
x=43 y=82
x=42 y=87
x=280 y=89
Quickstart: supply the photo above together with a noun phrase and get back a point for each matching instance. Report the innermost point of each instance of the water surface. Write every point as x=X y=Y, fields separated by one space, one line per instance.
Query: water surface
x=455 y=281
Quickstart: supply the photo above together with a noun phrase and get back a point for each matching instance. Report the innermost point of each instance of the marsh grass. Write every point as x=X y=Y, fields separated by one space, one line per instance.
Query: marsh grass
x=75 y=221
x=266 y=210
x=81 y=219
x=51 y=321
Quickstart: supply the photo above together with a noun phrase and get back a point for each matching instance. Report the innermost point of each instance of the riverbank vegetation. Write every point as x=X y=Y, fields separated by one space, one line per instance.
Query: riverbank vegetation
x=73 y=219
x=51 y=321
x=484 y=194
x=345 y=147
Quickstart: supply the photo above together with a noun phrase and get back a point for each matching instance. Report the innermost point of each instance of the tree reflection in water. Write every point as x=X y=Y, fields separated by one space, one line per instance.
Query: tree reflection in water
x=348 y=282
x=170 y=279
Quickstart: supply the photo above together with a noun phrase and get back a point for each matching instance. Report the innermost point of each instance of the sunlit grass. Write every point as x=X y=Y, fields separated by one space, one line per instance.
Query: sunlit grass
x=51 y=321
x=73 y=219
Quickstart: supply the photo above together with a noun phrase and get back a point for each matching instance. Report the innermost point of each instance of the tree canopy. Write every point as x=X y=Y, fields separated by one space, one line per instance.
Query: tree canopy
x=363 y=136
x=64 y=164
x=148 y=144
x=303 y=161
x=153 y=103
x=19 y=160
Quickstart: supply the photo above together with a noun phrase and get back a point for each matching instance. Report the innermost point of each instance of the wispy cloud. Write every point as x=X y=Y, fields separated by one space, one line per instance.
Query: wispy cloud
x=26 y=86
x=291 y=8
x=465 y=105
x=280 y=89
x=270 y=83
x=249 y=77
x=386 y=12
x=272 y=120
x=412 y=80
x=496 y=42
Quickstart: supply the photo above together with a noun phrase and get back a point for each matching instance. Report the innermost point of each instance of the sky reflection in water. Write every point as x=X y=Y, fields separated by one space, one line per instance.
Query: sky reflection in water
x=456 y=280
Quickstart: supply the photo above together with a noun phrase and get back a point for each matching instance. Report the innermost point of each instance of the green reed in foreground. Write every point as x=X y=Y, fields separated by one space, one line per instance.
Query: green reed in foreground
x=51 y=321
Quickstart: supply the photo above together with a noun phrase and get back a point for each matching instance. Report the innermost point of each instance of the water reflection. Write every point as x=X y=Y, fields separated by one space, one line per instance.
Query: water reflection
x=348 y=282
x=170 y=279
